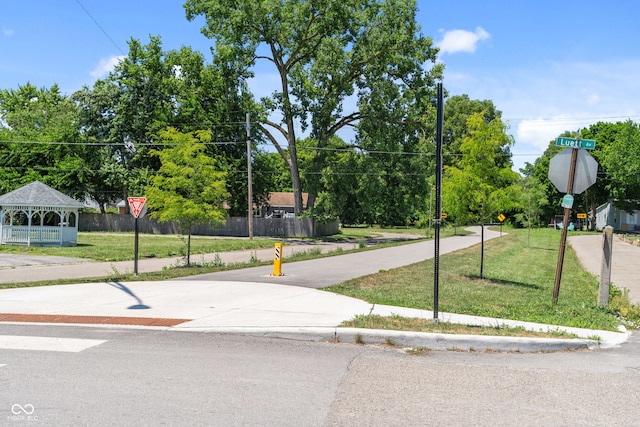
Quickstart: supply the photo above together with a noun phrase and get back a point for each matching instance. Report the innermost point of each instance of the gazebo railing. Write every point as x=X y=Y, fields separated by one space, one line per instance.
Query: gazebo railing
x=22 y=234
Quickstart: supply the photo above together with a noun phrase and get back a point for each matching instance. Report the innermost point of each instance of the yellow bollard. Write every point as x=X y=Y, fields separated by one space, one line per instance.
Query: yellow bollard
x=277 y=260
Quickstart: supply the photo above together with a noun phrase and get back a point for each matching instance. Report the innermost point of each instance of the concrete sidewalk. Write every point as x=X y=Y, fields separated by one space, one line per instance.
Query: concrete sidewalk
x=20 y=269
x=625 y=261
x=249 y=301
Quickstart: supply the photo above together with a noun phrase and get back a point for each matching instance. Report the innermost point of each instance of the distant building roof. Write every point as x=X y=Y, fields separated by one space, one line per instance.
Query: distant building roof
x=38 y=194
x=285 y=199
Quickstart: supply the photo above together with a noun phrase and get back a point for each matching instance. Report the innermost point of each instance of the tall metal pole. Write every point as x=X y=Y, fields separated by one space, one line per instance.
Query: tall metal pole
x=438 y=213
x=565 y=225
x=430 y=210
x=135 y=248
x=249 y=183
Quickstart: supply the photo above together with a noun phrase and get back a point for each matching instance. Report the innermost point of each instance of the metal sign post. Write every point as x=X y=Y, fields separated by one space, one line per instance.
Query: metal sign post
x=438 y=213
x=135 y=249
x=501 y=218
x=138 y=207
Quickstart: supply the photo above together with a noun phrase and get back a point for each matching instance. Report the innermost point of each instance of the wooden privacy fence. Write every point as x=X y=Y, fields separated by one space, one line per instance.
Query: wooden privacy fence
x=233 y=226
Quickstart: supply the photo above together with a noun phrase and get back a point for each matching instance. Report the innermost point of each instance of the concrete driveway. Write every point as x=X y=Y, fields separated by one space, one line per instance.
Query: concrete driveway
x=625 y=261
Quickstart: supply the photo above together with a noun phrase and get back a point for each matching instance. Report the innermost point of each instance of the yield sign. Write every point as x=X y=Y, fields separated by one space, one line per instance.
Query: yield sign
x=138 y=206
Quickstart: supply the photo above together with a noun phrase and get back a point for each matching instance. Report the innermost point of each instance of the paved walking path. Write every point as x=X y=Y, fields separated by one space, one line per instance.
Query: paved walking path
x=20 y=268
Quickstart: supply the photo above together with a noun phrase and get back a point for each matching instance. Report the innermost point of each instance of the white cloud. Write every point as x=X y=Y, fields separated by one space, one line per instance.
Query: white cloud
x=105 y=66
x=462 y=40
x=7 y=32
x=540 y=131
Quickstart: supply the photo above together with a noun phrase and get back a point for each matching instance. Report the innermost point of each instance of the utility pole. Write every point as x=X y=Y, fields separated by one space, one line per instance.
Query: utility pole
x=249 y=183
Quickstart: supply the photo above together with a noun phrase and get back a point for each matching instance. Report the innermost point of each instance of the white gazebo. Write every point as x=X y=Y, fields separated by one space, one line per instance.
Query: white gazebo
x=36 y=214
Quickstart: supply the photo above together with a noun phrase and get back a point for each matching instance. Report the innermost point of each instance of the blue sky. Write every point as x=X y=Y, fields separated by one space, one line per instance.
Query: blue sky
x=548 y=65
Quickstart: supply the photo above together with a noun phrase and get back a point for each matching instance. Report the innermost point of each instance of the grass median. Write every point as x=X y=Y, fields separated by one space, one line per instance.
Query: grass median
x=110 y=247
x=518 y=284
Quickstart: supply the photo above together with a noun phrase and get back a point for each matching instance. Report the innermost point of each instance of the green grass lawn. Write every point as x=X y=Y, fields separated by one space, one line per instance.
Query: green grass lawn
x=108 y=247
x=120 y=246
x=518 y=284
x=364 y=232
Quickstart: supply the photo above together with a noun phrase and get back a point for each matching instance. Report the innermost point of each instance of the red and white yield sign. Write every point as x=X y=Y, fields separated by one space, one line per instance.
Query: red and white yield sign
x=138 y=206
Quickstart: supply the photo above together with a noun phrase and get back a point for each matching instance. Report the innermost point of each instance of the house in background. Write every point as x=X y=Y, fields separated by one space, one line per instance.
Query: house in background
x=619 y=219
x=280 y=205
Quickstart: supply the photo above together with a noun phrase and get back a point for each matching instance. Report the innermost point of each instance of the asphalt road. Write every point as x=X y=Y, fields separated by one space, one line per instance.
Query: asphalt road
x=151 y=378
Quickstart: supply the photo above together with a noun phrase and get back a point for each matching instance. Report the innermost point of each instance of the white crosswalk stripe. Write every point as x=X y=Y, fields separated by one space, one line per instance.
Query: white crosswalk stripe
x=71 y=345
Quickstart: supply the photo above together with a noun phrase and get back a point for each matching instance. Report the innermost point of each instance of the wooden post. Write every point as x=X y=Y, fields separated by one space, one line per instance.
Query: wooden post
x=565 y=226
x=605 y=267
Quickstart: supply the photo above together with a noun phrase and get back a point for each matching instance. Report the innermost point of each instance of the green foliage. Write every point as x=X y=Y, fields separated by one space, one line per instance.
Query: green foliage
x=532 y=197
x=620 y=158
x=150 y=90
x=457 y=110
x=41 y=141
x=325 y=52
x=189 y=187
x=481 y=184
x=615 y=151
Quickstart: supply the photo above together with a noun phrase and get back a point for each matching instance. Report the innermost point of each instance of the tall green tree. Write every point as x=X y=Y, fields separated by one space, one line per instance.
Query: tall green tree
x=150 y=90
x=621 y=161
x=189 y=187
x=481 y=185
x=41 y=140
x=324 y=52
x=457 y=110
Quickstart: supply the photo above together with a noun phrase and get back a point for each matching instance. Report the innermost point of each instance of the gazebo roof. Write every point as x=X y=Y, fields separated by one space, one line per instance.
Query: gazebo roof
x=39 y=194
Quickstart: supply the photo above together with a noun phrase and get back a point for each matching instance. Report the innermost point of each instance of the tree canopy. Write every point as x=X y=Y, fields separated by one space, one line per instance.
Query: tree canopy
x=189 y=187
x=481 y=185
x=325 y=52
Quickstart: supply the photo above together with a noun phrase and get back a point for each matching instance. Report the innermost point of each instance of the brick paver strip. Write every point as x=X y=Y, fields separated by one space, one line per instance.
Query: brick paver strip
x=102 y=320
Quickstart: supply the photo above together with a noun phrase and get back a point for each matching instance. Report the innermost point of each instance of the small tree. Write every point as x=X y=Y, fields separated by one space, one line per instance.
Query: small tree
x=190 y=187
x=483 y=181
x=532 y=198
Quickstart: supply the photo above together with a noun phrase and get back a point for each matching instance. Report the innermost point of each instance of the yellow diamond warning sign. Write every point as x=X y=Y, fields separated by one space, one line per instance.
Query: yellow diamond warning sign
x=138 y=206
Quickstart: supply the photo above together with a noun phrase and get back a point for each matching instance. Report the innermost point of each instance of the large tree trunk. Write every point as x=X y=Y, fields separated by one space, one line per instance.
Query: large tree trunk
x=295 y=179
x=291 y=138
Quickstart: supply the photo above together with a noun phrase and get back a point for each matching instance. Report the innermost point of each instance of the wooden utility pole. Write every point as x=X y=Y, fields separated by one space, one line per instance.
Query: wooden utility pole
x=565 y=225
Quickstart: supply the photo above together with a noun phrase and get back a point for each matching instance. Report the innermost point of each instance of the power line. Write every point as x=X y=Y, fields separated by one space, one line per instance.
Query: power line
x=545 y=121
x=106 y=144
x=101 y=29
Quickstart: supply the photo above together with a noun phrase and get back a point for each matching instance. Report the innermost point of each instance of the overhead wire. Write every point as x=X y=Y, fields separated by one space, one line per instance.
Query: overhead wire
x=100 y=26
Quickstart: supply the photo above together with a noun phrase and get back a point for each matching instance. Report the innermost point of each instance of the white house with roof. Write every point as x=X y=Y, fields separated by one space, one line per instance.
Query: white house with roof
x=620 y=219
x=37 y=214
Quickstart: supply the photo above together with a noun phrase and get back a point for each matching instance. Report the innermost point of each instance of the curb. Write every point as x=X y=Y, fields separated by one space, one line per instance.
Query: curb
x=426 y=340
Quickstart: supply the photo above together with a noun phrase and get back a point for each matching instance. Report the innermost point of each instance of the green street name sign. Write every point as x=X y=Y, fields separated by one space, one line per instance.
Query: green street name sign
x=589 y=144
